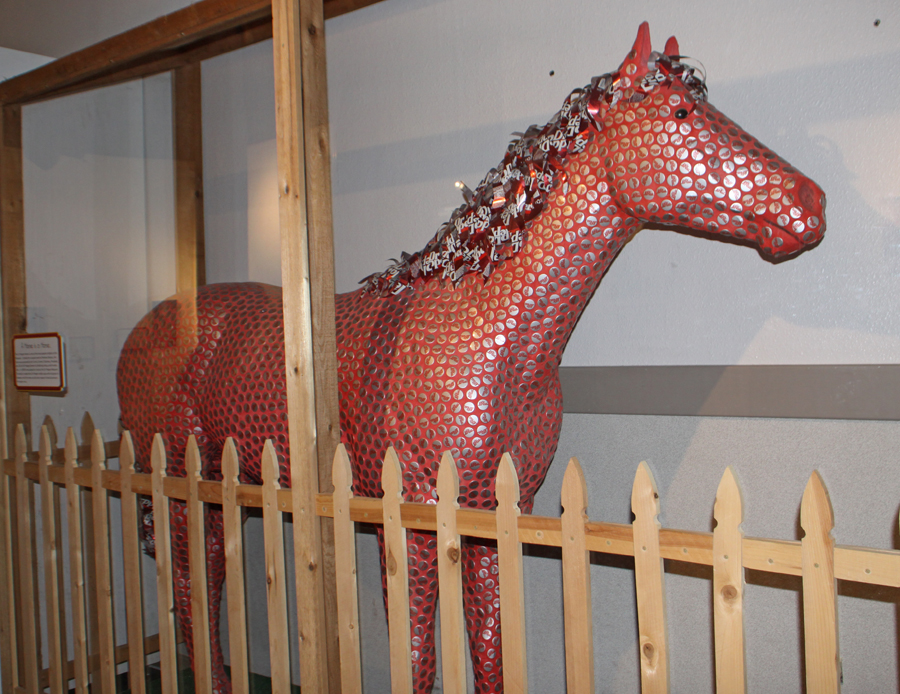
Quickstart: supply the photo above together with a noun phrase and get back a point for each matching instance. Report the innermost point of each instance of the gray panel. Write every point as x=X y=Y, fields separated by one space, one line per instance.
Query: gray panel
x=851 y=391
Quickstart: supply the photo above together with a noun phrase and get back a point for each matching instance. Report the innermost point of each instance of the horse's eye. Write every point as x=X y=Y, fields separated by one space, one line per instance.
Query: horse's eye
x=681 y=113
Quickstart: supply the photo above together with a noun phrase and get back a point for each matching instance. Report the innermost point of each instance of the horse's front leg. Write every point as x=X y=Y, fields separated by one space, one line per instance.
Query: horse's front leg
x=421 y=551
x=481 y=601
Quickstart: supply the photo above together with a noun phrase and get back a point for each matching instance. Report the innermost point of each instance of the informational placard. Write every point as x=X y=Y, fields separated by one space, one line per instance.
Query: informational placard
x=40 y=362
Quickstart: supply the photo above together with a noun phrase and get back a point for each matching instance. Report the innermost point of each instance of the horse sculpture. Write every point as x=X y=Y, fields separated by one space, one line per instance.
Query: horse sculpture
x=457 y=347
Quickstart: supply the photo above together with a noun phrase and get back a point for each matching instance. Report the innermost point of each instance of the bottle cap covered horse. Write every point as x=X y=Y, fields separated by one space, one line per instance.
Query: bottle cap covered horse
x=457 y=347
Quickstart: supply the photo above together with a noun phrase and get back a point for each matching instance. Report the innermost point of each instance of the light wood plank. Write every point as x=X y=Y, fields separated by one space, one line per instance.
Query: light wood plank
x=8 y=634
x=30 y=647
x=187 y=137
x=234 y=571
x=55 y=601
x=449 y=551
x=165 y=595
x=511 y=588
x=728 y=587
x=276 y=581
x=298 y=340
x=197 y=560
x=131 y=552
x=395 y=558
x=823 y=664
x=345 y=566
x=76 y=567
x=649 y=584
x=577 y=583
x=106 y=646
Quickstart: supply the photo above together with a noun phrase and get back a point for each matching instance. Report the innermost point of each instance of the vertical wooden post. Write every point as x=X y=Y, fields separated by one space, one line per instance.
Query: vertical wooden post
x=187 y=135
x=52 y=566
x=197 y=561
x=165 y=594
x=76 y=566
x=131 y=551
x=8 y=633
x=234 y=571
x=299 y=367
x=106 y=646
x=17 y=405
x=30 y=637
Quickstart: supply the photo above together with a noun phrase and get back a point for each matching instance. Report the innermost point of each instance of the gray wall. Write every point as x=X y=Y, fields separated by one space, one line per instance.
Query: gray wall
x=426 y=92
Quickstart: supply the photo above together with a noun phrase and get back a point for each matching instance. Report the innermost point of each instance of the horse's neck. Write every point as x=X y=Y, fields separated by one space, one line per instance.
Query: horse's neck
x=570 y=246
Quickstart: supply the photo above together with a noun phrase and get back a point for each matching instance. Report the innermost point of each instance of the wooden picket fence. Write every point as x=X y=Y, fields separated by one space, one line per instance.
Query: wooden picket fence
x=84 y=469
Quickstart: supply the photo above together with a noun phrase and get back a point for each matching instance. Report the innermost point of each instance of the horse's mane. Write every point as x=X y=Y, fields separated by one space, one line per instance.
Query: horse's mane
x=491 y=225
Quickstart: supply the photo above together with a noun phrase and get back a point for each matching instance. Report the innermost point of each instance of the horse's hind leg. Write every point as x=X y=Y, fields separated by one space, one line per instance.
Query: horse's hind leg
x=423 y=590
x=481 y=600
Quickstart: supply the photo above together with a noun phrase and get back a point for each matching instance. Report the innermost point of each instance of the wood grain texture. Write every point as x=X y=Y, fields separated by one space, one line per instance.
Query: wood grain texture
x=728 y=587
x=579 y=618
x=8 y=635
x=103 y=589
x=30 y=638
x=397 y=575
x=131 y=555
x=449 y=556
x=345 y=568
x=165 y=594
x=187 y=139
x=649 y=584
x=511 y=589
x=820 y=629
x=234 y=571
x=76 y=567
x=55 y=600
x=196 y=518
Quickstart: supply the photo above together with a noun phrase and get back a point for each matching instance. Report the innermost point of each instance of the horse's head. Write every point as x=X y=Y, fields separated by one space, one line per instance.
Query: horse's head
x=671 y=158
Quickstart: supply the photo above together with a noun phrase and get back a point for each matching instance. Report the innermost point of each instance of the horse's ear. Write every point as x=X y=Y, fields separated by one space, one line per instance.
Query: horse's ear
x=672 y=49
x=640 y=52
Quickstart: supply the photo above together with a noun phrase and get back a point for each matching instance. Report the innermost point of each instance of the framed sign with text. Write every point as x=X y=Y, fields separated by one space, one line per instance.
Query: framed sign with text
x=40 y=362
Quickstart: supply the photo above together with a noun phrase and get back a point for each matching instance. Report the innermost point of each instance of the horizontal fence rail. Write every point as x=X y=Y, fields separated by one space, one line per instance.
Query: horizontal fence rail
x=89 y=614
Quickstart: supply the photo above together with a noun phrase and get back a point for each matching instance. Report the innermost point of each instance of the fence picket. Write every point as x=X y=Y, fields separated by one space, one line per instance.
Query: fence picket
x=449 y=555
x=345 y=574
x=397 y=575
x=197 y=561
x=8 y=636
x=577 y=583
x=52 y=566
x=650 y=589
x=27 y=574
x=511 y=589
x=131 y=550
x=168 y=663
x=106 y=646
x=728 y=587
x=819 y=590
x=56 y=500
x=276 y=586
x=76 y=565
x=234 y=571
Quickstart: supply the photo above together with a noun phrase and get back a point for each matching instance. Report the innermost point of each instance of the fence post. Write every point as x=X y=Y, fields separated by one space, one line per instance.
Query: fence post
x=449 y=555
x=728 y=586
x=76 y=565
x=27 y=574
x=576 y=562
x=512 y=593
x=107 y=643
x=55 y=601
x=234 y=571
x=819 y=590
x=397 y=575
x=345 y=574
x=276 y=587
x=197 y=562
x=134 y=607
x=650 y=588
x=168 y=663
x=8 y=635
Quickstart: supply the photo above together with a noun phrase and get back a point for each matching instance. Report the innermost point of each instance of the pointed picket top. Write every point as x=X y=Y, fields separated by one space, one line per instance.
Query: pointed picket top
x=507 y=487
x=192 y=463
x=815 y=508
x=71 y=448
x=341 y=474
x=98 y=450
x=158 y=456
x=392 y=476
x=45 y=448
x=269 y=464
x=21 y=442
x=644 y=497
x=448 y=480
x=728 y=587
x=230 y=466
x=126 y=453
x=50 y=425
x=574 y=490
x=87 y=427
